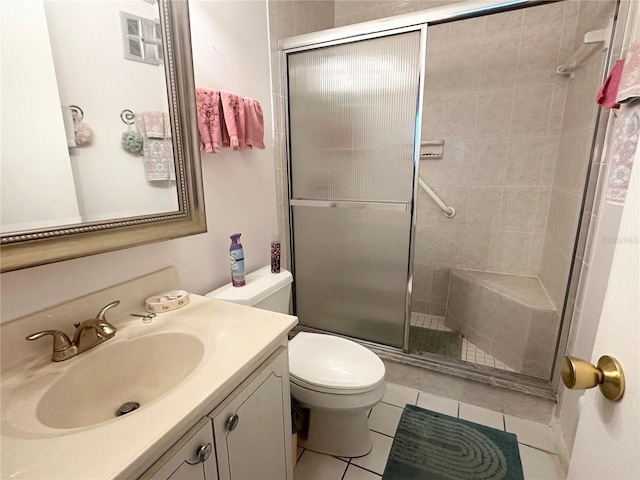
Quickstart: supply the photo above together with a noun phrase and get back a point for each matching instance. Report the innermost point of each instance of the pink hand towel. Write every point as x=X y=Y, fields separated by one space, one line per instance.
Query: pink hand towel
x=254 y=123
x=208 y=107
x=630 y=81
x=154 y=124
x=233 y=110
x=607 y=93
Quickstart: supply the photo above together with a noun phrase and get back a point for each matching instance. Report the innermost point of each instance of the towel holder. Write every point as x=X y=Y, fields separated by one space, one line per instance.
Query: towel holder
x=127 y=117
x=77 y=112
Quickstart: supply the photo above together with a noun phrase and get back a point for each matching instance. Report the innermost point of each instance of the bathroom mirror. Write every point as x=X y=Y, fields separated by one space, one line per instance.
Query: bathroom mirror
x=69 y=192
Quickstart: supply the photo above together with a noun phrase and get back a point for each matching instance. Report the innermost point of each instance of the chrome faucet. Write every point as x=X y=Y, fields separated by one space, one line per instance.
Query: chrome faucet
x=88 y=334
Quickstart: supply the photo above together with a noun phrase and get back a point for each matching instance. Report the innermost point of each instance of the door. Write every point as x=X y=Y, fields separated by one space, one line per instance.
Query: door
x=607 y=442
x=252 y=429
x=191 y=458
x=353 y=112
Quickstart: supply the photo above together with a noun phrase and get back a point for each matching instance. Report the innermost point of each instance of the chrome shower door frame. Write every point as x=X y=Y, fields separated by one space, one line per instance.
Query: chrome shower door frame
x=411 y=205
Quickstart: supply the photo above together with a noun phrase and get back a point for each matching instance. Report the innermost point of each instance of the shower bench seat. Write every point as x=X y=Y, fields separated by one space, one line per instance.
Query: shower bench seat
x=509 y=316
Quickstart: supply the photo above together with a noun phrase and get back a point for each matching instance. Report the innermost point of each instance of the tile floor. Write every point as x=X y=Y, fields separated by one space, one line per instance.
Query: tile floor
x=535 y=441
x=470 y=352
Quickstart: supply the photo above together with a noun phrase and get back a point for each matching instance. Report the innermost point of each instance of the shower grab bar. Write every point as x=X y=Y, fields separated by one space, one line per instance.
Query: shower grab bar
x=447 y=211
x=587 y=48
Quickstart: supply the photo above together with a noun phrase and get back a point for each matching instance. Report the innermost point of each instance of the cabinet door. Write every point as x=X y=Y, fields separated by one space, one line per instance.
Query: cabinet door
x=252 y=428
x=191 y=458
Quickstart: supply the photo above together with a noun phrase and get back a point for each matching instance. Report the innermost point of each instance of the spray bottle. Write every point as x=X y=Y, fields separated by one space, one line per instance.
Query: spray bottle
x=236 y=258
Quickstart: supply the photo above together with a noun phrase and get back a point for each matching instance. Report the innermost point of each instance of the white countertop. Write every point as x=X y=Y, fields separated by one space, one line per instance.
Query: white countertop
x=236 y=339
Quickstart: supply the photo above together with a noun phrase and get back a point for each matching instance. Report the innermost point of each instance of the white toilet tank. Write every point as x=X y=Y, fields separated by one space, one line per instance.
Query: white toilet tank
x=262 y=289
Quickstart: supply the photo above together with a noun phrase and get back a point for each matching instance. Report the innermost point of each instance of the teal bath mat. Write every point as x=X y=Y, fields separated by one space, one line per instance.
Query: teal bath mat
x=434 y=446
x=438 y=342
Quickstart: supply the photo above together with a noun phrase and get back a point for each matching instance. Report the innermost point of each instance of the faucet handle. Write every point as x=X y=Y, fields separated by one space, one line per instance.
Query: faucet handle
x=60 y=340
x=108 y=307
x=62 y=347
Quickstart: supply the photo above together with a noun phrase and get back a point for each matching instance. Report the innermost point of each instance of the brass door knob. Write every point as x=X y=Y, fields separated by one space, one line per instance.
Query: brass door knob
x=578 y=374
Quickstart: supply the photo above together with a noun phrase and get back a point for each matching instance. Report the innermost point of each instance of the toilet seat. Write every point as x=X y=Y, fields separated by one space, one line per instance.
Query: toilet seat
x=330 y=364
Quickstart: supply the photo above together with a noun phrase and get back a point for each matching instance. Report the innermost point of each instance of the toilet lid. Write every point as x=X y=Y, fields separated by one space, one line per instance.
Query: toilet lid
x=334 y=362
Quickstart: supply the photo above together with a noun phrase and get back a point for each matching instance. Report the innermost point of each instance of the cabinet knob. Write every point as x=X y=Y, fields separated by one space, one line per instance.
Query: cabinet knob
x=203 y=452
x=232 y=423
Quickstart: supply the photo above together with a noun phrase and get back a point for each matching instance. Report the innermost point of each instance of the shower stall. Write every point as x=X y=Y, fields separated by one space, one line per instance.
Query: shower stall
x=439 y=166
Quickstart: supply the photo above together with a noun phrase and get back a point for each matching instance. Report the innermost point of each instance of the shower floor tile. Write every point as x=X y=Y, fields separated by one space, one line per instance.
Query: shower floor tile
x=470 y=352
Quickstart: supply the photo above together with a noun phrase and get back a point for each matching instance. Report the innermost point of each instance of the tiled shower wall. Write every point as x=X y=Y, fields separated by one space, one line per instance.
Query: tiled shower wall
x=573 y=157
x=492 y=94
x=288 y=18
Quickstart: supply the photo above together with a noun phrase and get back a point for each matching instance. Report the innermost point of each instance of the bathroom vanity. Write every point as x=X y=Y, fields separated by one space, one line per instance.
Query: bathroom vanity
x=211 y=379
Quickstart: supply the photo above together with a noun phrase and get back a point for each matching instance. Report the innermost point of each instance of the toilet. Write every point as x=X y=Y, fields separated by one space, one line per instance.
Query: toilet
x=336 y=380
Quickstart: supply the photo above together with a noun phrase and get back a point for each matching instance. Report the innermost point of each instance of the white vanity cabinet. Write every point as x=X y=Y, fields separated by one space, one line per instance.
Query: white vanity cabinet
x=252 y=427
x=249 y=433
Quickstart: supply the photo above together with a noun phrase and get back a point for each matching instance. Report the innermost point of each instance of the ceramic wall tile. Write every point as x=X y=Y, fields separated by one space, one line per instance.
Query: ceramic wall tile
x=519 y=205
x=525 y=158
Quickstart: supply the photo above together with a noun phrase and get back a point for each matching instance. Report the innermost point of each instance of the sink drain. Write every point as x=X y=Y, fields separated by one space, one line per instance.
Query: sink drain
x=127 y=408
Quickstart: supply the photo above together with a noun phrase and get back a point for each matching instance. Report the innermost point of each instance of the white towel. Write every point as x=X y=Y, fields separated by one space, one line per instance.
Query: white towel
x=157 y=153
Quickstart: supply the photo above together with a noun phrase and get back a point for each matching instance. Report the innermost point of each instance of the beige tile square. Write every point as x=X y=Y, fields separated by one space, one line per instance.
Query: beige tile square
x=547 y=15
x=376 y=460
x=315 y=466
x=539 y=54
x=535 y=254
x=440 y=285
x=448 y=247
x=489 y=162
x=483 y=211
x=531 y=118
x=399 y=395
x=504 y=23
x=499 y=60
x=384 y=418
x=422 y=282
x=519 y=205
x=512 y=252
x=539 y=464
x=494 y=112
x=542 y=212
x=479 y=248
x=460 y=115
x=424 y=245
x=483 y=416
x=356 y=473
x=438 y=404
x=453 y=169
x=524 y=161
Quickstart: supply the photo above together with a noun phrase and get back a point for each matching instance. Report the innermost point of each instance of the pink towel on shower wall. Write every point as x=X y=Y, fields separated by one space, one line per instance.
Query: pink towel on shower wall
x=208 y=107
x=254 y=123
x=233 y=112
x=607 y=93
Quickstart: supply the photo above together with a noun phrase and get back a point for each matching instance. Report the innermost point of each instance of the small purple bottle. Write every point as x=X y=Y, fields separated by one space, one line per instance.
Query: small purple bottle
x=236 y=259
x=275 y=253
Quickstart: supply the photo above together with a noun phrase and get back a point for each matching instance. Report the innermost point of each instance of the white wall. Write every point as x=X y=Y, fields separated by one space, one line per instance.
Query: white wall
x=34 y=147
x=231 y=51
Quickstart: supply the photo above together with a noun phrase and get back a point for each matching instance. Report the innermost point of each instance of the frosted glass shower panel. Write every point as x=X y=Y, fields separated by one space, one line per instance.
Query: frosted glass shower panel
x=352 y=111
x=351 y=271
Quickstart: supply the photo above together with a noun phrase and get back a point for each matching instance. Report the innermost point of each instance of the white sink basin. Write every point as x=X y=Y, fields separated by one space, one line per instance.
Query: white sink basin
x=139 y=370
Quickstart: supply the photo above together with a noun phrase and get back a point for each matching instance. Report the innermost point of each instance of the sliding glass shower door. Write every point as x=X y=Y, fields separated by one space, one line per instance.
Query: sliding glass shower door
x=353 y=111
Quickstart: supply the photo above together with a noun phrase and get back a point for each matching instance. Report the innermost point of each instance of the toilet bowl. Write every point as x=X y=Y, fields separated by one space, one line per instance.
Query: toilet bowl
x=338 y=381
x=335 y=380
